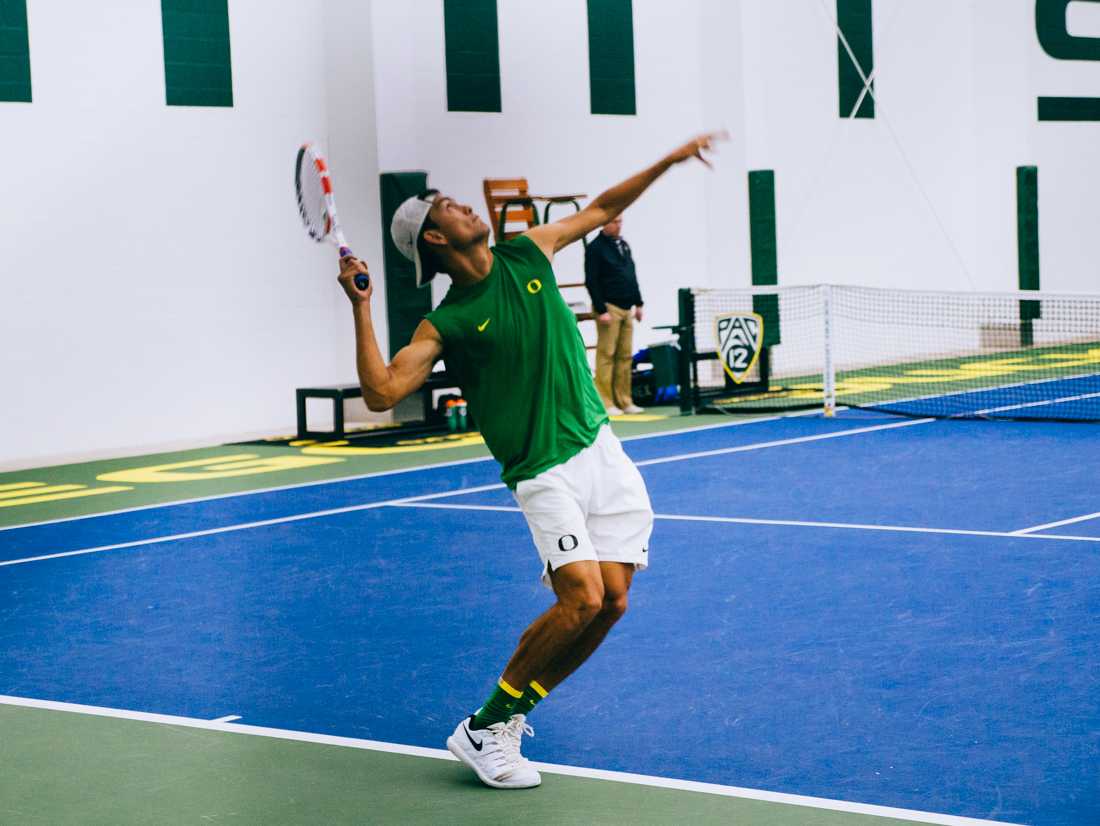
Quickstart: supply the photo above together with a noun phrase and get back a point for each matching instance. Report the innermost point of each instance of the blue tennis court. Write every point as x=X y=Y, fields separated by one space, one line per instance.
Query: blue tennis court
x=898 y=612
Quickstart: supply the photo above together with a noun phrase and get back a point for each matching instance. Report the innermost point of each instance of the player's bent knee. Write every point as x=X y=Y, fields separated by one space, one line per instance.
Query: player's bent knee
x=615 y=605
x=576 y=616
x=582 y=604
x=590 y=605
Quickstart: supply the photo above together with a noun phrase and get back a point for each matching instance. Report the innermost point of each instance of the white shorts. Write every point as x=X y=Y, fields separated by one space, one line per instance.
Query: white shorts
x=593 y=506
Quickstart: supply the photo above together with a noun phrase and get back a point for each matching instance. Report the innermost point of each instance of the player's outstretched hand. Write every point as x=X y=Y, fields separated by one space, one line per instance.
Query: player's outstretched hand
x=350 y=266
x=696 y=147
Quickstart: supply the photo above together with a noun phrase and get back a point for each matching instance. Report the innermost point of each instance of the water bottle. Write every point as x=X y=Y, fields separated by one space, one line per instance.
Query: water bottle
x=452 y=417
x=460 y=407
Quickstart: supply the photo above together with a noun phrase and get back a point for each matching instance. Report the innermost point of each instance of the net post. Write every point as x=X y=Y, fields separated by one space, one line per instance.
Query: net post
x=828 y=371
x=687 y=350
x=1027 y=242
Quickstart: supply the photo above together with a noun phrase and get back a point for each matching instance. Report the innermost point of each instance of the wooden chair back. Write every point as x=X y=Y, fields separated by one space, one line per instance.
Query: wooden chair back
x=510 y=194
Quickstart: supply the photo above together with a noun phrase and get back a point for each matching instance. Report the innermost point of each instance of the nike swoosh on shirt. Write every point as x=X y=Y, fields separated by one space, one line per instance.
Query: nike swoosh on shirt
x=481 y=327
x=474 y=742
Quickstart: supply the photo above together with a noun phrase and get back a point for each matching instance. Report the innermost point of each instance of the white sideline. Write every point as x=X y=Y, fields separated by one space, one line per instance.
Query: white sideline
x=817 y=437
x=245 y=526
x=794 y=523
x=550 y=768
x=1058 y=524
x=428 y=496
x=377 y=473
x=987 y=389
x=1042 y=403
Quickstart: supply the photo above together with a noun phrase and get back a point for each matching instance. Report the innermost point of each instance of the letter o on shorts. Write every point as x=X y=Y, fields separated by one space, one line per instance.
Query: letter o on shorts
x=594 y=506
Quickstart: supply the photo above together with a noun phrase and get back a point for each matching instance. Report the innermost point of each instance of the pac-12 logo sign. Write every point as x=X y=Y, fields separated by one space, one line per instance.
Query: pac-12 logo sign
x=739 y=339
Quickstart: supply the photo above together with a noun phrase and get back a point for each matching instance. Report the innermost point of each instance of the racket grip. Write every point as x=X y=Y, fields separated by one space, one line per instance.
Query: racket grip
x=361 y=281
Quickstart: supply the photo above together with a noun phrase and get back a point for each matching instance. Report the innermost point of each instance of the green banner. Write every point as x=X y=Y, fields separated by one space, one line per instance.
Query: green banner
x=198 y=68
x=473 y=55
x=611 y=57
x=855 y=21
x=15 y=53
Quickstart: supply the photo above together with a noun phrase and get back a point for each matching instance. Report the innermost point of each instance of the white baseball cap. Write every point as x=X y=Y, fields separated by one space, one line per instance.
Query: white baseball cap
x=405 y=228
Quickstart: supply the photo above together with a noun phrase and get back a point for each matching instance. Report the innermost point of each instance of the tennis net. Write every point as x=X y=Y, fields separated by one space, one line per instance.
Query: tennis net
x=1013 y=355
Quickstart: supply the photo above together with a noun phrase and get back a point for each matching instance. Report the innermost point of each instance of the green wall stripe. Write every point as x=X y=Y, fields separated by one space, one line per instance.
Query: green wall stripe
x=1069 y=109
x=15 y=52
x=197 y=63
x=473 y=55
x=1027 y=245
x=855 y=21
x=611 y=57
x=764 y=246
x=405 y=303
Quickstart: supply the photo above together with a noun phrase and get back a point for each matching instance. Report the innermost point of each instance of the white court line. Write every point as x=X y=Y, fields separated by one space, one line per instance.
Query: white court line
x=423 y=497
x=229 y=718
x=793 y=523
x=378 y=473
x=1042 y=403
x=817 y=437
x=549 y=768
x=245 y=526
x=1058 y=524
x=451 y=507
x=987 y=389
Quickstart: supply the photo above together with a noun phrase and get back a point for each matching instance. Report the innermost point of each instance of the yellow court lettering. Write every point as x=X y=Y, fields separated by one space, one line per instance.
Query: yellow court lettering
x=32 y=493
x=410 y=446
x=214 y=467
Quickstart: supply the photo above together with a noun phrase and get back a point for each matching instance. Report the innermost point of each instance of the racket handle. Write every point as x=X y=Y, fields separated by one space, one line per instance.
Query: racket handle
x=361 y=281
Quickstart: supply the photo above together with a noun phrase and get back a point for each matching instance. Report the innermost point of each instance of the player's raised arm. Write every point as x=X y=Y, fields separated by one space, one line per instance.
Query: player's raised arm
x=384 y=385
x=552 y=237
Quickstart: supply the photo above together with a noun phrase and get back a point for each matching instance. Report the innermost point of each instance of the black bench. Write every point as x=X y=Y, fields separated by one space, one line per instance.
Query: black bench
x=428 y=415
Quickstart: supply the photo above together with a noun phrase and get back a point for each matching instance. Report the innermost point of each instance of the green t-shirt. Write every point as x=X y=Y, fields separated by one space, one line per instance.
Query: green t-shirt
x=513 y=345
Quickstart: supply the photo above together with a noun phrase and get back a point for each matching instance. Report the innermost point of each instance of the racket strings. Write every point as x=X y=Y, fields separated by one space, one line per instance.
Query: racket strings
x=312 y=203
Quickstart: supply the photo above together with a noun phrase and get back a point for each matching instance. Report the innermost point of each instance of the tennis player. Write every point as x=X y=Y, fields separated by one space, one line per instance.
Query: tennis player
x=512 y=344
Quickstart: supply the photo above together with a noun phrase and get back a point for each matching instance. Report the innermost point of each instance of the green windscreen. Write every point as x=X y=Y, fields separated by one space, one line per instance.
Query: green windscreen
x=15 y=53
x=611 y=57
x=405 y=303
x=197 y=66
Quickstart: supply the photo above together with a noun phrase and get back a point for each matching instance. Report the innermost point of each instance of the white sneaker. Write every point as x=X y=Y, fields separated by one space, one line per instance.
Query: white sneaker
x=633 y=409
x=493 y=754
x=614 y=411
x=514 y=730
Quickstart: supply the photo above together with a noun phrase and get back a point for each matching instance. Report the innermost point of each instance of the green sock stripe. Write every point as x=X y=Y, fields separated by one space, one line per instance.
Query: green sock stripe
x=530 y=698
x=497 y=709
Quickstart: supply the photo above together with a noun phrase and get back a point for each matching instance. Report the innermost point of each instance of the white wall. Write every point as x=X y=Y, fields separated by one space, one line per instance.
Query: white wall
x=136 y=313
x=924 y=194
x=1068 y=156
x=157 y=285
x=546 y=132
x=853 y=195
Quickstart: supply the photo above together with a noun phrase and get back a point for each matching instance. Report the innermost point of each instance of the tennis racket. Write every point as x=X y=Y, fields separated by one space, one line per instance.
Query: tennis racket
x=313 y=186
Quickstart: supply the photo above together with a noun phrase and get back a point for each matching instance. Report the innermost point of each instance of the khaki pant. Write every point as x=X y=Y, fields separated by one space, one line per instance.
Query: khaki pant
x=614 y=351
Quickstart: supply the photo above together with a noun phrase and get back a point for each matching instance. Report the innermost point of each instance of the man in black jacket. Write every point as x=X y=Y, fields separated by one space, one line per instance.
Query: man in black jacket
x=613 y=285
